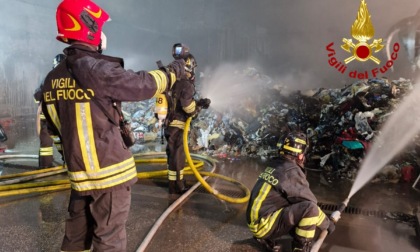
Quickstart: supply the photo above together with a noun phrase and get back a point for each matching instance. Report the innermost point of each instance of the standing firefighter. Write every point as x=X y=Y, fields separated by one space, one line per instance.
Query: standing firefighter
x=282 y=203
x=181 y=106
x=46 y=153
x=78 y=96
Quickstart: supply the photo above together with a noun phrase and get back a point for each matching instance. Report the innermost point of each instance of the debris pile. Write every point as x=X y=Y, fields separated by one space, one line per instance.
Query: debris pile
x=340 y=123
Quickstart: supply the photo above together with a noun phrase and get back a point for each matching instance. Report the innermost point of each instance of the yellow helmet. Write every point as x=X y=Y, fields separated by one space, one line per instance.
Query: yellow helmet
x=293 y=144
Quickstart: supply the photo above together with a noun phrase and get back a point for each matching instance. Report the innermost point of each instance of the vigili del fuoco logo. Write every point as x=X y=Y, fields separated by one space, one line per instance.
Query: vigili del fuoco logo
x=362 y=50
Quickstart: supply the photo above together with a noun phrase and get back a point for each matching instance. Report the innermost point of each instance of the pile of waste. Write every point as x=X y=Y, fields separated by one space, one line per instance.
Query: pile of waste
x=341 y=125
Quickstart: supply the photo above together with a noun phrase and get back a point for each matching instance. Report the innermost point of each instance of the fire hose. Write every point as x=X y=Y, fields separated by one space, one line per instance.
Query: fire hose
x=9 y=189
x=14 y=186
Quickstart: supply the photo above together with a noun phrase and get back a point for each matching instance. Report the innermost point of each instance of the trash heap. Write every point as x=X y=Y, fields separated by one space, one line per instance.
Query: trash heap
x=340 y=123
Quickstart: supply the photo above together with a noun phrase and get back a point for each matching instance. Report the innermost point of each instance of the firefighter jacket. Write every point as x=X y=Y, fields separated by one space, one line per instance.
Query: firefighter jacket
x=42 y=130
x=181 y=103
x=281 y=184
x=94 y=152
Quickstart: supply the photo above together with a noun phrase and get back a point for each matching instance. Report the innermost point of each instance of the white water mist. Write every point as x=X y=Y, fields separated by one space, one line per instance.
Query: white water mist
x=399 y=129
x=229 y=85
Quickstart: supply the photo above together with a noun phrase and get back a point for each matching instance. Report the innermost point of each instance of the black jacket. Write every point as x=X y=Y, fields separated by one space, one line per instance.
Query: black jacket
x=288 y=185
x=95 y=154
x=181 y=103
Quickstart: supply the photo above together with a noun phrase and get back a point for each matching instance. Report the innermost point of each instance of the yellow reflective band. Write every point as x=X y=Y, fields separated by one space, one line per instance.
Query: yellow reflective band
x=177 y=124
x=190 y=108
x=305 y=233
x=103 y=172
x=286 y=147
x=261 y=229
x=256 y=228
x=160 y=80
x=107 y=182
x=256 y=205
x=86 y=138
x=321 y=217
x=308 y=221
x=42 y=116
x=46 y=151
x=54 y=116
x=172 y=175
x=173 y=78
x=298 y=140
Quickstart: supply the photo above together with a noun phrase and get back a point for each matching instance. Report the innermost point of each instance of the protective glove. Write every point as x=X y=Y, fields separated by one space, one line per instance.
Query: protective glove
x=204 y=103
x=335 y=216
x=178 y=68
x=331 y=227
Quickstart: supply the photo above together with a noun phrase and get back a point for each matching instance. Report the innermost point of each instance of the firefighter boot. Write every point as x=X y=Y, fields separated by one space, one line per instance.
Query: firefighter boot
x=301 y=245
x=178 y=187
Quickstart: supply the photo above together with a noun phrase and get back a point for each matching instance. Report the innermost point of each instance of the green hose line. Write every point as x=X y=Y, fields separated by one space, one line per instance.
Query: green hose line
x=203 y=182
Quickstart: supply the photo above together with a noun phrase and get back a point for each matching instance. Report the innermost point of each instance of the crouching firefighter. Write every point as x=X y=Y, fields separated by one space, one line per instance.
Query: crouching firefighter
x=181 y=106
x=282 y=203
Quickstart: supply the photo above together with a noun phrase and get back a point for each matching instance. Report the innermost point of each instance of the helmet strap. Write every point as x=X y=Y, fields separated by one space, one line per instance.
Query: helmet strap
x=102 y=44
x=100 y=50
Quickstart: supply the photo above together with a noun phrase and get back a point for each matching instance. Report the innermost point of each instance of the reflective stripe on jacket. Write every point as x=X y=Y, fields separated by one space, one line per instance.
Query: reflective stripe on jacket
x=279 y=185
x=182 y=102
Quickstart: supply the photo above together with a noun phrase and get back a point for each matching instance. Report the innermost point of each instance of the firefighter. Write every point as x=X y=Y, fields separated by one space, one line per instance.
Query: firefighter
x=77 y=96
x=182 y=105
x=46 y=153
x=282 y=203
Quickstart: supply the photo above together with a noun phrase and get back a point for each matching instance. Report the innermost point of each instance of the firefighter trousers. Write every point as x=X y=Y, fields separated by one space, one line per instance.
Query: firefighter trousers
x=300 y=220
x=175 y=154
x=97 y=221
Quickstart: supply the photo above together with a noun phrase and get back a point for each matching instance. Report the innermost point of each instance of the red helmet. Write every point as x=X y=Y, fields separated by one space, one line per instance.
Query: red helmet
x=80 y=20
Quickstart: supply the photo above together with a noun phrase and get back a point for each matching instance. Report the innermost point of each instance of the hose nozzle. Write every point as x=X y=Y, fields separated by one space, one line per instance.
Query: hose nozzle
x=336 y=215
x=343 y=205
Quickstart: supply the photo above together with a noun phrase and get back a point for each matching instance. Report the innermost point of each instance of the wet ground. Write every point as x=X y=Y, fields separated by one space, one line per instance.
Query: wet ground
x=380 y=217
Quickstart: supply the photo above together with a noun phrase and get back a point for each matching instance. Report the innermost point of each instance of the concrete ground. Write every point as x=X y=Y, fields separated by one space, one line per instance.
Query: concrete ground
x=379 y=217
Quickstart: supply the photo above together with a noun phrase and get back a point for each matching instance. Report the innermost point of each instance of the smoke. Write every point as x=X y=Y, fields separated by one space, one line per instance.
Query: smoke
x=230 y=84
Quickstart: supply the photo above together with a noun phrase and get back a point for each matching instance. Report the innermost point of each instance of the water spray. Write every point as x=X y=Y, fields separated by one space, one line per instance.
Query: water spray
x=397 y=132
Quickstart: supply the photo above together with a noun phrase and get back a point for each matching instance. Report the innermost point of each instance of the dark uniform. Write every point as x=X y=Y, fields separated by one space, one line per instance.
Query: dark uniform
x=46 y=141
x=182 y=106
x=281 y=203
x=100 y=167
x=45 y=156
